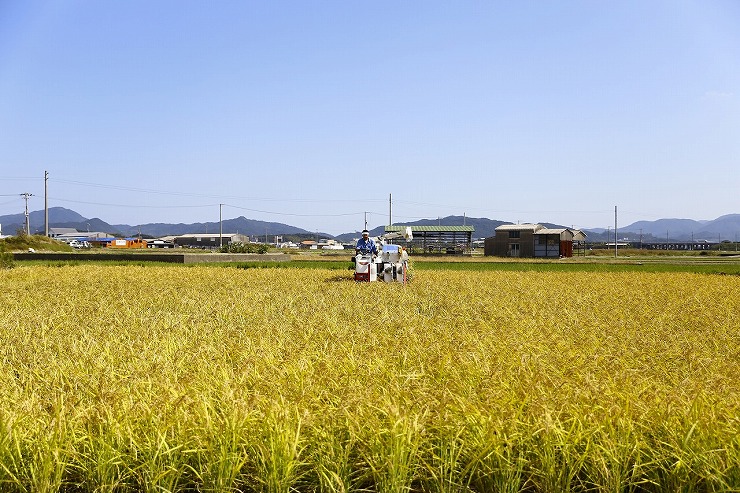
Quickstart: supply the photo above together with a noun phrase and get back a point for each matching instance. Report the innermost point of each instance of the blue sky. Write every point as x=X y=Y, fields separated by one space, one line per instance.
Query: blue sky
x=313 y=113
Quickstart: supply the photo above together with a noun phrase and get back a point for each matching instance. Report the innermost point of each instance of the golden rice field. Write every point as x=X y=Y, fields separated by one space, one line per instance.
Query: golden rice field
x=127 y=378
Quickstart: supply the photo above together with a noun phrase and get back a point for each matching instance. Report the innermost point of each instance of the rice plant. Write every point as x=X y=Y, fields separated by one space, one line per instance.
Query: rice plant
x=131 y=378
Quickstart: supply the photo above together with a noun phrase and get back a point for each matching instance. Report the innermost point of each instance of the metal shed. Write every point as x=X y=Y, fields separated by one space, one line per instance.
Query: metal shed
x=438 y=239
x=513 y=240
x=208 y=240
x=553 y=243
x=534 y=240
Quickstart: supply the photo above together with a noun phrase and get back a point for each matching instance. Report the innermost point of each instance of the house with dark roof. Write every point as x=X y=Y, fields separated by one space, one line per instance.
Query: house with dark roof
x=534 y=241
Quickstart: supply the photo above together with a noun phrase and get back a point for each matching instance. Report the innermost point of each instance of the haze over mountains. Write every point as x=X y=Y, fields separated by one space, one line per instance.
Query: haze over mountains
x=726 y=227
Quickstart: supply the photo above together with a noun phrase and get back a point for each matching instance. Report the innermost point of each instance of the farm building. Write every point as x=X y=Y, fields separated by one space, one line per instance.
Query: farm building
x=127 y=243
x=533 y=241
x=557 y=242
x=102 y=242
x=58 y=232
x=68 y=234
x=165 y=242
x=438 y=239
x=209 y=240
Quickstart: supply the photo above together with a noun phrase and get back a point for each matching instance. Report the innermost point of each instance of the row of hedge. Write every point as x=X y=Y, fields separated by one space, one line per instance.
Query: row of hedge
x=238 y=247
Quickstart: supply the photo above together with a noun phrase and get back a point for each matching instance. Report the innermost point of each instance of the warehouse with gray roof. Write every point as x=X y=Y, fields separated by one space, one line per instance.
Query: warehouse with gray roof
x=534 y=241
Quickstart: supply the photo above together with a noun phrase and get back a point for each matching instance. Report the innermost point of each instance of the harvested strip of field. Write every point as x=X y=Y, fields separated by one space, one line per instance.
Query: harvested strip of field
x=162 y=378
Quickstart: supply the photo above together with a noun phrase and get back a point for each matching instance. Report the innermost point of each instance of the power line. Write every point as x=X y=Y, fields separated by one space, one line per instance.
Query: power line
x=130 y=189
x=499 y=211
x=191 y=194
x=293 y=214
x=222 y=198
x=139 y=206
x=132 y=206
x=19 y=178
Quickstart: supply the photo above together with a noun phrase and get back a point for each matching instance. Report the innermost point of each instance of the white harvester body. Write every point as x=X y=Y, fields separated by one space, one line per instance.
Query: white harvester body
x=390 y=265
x=366 y=269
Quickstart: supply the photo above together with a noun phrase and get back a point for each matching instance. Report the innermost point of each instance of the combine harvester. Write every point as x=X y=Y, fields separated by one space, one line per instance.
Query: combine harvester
x=390 y=265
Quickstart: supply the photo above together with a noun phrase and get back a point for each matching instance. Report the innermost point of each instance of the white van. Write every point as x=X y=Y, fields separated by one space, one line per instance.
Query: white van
x=79 y=244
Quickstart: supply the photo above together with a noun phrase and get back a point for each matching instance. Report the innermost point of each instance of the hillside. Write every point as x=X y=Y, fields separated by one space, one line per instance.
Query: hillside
x=240 y=225
x=726 y=227
x=60 y=217
x=65 y=218
x=723 y=228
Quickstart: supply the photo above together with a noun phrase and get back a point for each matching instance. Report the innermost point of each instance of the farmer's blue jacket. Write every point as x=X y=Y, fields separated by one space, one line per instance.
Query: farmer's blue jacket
x=366 y=246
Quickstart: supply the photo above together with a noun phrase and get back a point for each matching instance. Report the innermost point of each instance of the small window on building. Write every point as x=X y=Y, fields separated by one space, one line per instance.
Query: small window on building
x=514 y=234
x=198 y=239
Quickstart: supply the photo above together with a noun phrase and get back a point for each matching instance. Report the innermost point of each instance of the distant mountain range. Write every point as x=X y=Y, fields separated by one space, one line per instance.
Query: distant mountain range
x=59 y=217
x=723 y=228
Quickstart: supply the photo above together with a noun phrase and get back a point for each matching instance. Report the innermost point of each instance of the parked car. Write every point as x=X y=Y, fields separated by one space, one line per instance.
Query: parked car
x=78 y=244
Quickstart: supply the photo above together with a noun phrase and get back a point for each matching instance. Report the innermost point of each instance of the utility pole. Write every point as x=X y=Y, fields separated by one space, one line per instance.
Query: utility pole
x=390 y=209
x=46 y=204
x=615 y=231
x=220 y=226
x=365 y=219
x=26 y=195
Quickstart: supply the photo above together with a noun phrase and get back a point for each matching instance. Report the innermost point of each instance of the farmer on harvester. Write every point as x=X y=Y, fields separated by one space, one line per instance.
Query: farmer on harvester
x=366 y=244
